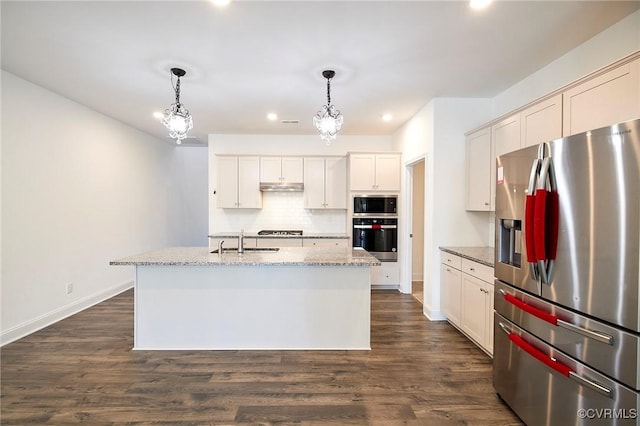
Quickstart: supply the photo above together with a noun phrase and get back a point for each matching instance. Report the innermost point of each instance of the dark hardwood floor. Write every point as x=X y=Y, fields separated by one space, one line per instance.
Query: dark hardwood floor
x=82 y=370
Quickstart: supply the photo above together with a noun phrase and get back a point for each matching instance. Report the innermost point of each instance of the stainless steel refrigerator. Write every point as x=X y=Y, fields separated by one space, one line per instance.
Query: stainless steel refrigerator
x=567 y=263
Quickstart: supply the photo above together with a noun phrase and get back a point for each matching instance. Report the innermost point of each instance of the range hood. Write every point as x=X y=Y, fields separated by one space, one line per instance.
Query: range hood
x=281 y=186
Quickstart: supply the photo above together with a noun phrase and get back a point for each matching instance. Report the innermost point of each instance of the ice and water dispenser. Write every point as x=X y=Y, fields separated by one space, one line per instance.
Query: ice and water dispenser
x=510 y=242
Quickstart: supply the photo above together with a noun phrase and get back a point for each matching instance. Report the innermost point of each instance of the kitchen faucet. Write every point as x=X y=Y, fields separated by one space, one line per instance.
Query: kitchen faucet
x=241 y=242
x=220 y=246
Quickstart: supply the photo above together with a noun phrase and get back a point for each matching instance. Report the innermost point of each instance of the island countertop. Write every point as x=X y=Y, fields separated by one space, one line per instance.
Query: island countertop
x=297 y=256
x=308 y=236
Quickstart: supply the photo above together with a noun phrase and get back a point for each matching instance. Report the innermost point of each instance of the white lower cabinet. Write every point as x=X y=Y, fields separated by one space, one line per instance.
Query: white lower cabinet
x=451 y=286
x=387 y=274
x=279 y=242
x=325 y=242
x=467 y=298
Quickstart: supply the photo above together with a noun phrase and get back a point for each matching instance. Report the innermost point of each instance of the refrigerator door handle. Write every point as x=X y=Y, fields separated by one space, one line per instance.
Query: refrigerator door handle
x=600 y=337
x=554 y=320
x=592 y=385
x=529 y=209
x=554 y=364
x=546 y=220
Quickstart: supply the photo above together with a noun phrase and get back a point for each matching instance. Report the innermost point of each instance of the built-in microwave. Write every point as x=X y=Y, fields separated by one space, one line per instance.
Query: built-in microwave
x=375 y=205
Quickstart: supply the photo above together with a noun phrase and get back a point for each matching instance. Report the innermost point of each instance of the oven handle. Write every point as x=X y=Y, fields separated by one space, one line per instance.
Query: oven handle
x=375 y=226
x=552 y=319
x=555 y=364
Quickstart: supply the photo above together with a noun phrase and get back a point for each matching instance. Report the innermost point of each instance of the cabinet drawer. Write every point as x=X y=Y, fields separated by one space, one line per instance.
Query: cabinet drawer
x=478 y=270
x=325 y=242
x=451 y=260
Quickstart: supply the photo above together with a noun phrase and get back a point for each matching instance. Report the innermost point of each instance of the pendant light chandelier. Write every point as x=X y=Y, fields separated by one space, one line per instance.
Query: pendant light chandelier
x=177 y=118
x=328 y=120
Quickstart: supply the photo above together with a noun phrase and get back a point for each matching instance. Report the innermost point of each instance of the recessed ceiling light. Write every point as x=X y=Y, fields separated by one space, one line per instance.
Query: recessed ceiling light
x=158 y=115
x=479 y=4
x=221 y=3
x=272 y=116
x=387 y=117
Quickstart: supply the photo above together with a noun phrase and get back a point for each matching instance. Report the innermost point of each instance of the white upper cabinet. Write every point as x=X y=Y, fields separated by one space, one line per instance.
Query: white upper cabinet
x=374 y=172
x=607 y=99
x=506 y=135
x=541 y=122
x=325 y=182
x=479 y=170
x=281 y=169
x=239 y=182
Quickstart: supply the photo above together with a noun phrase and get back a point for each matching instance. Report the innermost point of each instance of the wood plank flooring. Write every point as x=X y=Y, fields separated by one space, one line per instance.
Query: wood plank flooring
x=82 y=370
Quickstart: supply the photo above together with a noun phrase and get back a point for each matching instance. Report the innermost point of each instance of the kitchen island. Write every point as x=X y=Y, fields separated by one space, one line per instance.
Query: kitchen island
x=293 y=298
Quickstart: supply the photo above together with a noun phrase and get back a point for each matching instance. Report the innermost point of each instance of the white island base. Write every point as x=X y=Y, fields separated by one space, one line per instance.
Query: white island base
x=191 y=307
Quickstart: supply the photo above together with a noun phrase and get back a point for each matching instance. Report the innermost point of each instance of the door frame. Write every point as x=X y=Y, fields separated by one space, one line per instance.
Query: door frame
x=406 y=245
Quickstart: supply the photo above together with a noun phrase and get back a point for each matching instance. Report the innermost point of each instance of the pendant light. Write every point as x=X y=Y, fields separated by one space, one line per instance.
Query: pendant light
x=328 y=120
x=177 y=118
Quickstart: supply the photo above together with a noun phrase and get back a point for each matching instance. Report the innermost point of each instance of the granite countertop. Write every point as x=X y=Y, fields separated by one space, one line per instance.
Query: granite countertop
x=255 y=235
x=295 y=256
x=483 y=255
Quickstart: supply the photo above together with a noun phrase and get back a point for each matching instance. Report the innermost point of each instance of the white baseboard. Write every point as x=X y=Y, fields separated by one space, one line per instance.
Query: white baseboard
x=61 y=313
x=433 y=315
x=417 y=276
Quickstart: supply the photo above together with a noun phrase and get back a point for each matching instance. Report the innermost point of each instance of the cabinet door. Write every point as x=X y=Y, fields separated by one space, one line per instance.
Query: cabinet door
x=607 y=99
x=335 y=182
x=270 y=169
x=292 y=169
x=488 y=338
x=362 y=172
x=541 y=122
x=387 y=172
x=249 y=195
x=314 y=183
x=227 y=191
x=474 y=305
x=450 y=279
x=506 y=135
x=479 y=170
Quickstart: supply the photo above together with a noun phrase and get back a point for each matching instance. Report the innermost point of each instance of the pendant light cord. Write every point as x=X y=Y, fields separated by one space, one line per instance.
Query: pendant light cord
x=328 y=92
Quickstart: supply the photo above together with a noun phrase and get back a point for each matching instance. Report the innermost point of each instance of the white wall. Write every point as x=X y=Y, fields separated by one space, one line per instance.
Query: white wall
x=78 y=189
x=282 y=210
x=436 y=133
x=612 y=44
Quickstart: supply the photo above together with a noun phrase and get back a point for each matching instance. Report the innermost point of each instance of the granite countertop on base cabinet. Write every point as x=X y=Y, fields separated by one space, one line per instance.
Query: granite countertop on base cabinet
x=482 y=255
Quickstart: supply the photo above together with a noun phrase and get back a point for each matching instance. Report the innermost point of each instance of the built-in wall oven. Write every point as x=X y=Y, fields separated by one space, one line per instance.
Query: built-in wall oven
x=375 y=225
x=378 y=236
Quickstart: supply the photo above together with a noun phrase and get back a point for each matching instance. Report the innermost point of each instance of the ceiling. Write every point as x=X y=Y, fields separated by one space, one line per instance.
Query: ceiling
x=255 y=57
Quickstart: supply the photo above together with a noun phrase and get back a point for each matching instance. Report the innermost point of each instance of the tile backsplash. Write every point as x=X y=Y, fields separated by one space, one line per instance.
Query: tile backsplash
x=282 y=210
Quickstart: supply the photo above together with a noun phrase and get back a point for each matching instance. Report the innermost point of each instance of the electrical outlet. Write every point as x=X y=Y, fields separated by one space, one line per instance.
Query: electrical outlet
x=69 y=288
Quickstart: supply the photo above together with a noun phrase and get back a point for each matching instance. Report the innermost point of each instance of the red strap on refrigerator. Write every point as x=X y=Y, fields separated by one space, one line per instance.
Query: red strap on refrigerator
x=553 y=223
x=545 y=316
x=540 y=356
x=529 y=214
x=540 y=224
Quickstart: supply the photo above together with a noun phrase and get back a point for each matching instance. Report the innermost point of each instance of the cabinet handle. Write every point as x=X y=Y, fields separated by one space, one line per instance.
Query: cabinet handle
x=486 y=204
x=448 y=270
x=472 y=269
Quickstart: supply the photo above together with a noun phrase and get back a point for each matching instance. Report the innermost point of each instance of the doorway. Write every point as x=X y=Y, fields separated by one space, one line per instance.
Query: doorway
x=417 y=231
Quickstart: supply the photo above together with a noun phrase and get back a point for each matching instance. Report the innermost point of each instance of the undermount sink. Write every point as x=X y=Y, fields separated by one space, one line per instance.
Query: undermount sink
x=247 y=249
